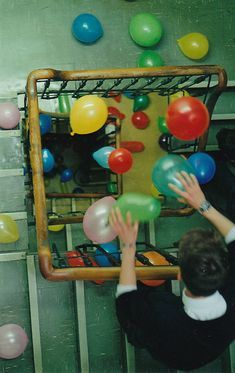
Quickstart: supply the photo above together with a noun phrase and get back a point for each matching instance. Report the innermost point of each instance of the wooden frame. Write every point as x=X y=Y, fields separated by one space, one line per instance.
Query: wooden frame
x=159 y=77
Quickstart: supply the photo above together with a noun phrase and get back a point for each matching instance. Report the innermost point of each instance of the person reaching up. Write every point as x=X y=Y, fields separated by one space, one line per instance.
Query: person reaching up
x=190 y=331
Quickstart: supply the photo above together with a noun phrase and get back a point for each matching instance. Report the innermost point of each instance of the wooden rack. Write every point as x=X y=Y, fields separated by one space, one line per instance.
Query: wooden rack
x=46 y=84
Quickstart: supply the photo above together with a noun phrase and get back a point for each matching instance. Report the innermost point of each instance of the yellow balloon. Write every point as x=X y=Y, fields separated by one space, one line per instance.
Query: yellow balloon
x=194 y=45
x=56 y=228
x=155 y=192
x=178 y=95
x=9 y=231
x=88 y=114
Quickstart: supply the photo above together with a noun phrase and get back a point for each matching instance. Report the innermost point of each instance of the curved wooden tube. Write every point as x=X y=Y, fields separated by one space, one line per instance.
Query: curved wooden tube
x=99 y=273
x=44 y=253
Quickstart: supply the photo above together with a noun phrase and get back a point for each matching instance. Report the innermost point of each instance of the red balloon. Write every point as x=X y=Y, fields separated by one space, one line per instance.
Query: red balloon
x=140 y=120
x=187 y=118
x=113 y=111
x=120 y=160
x=133 y=146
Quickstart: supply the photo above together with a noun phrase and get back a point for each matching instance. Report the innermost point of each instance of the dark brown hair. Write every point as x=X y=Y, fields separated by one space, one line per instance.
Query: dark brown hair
x=203 y=260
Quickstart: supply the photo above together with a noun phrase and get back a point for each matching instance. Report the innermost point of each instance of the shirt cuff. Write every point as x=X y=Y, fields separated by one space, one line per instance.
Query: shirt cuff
x=122 y=289
x=230 y=236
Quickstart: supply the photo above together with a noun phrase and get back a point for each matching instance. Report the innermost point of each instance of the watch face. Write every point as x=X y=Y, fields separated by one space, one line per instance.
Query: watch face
x=204 y=206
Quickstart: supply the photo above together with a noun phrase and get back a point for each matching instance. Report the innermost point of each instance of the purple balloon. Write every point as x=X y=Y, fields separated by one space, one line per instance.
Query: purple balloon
x=96 y=221
x=9 y=115
x=13 y=341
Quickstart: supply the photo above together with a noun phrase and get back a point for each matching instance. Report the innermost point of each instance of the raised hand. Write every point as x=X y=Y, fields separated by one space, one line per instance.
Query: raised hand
x=126 y=230
x=192 y=193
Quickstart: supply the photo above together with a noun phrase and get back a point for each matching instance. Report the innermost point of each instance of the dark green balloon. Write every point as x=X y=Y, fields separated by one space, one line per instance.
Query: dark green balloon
x=141 y=103
x=64 y=104
x=150 y=59
x=112 y=187
x=141 y=206
x=162 y=125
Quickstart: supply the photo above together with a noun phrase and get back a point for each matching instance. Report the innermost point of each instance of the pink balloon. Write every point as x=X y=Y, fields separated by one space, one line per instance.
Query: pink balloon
x=9 y=115
x=96 y=221
x=13 y=341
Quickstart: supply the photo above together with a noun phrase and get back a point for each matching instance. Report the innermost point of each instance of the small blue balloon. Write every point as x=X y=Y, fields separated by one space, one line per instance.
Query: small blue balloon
x=204 y=166
x=45 y=123
x=102 y=259
x=87 y=28
x=66 y=175
x=78 y=190
x=48 y=160
x=101 y=156
x=130 y=95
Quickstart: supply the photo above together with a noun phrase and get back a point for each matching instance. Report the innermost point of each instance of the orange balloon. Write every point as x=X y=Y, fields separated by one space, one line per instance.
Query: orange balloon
x=155 y=259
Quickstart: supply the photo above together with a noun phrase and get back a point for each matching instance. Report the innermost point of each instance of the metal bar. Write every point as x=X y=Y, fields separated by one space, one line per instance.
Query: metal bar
x=232 y=356
x=81 y=309
x=12 y=172
x=82 y=330
x=130 y=356
x=22 y=215
x=10 y=133
x=8 y=257
x=226 y=361
x=34 y=314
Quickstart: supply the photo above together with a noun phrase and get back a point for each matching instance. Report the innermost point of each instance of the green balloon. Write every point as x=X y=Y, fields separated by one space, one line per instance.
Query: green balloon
x=141 y=102
x=64 y=104
x=141 y=206
x=150 y=59
x=162 y=125
x=145 y=29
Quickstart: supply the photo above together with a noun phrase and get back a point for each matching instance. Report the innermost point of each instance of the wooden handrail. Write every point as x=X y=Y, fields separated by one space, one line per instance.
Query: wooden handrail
x=44 y=253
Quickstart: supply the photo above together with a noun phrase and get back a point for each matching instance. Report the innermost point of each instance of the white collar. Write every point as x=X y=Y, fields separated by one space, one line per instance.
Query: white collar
x=206 y=308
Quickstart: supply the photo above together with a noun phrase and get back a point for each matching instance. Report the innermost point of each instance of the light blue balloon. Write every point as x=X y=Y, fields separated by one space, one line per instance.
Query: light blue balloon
x=48 y=160
x=87 y=28
x=101 y=156
x=164 y=172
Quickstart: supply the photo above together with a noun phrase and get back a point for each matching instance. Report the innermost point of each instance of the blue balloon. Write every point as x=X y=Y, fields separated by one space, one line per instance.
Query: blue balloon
x=87 y=28
x=66 y=175
x=164 y=172
x=101 y=156
x=204 y=166
x=78 y=190
x=102 y=259
x=130 y=95
x=45 y=123
x=48 y=160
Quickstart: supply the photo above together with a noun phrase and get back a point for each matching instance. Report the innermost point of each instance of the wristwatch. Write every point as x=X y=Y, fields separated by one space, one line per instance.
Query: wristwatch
x=204 y=207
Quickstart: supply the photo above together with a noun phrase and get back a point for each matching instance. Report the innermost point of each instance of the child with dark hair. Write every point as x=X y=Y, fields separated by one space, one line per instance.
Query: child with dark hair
x=190 y=332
